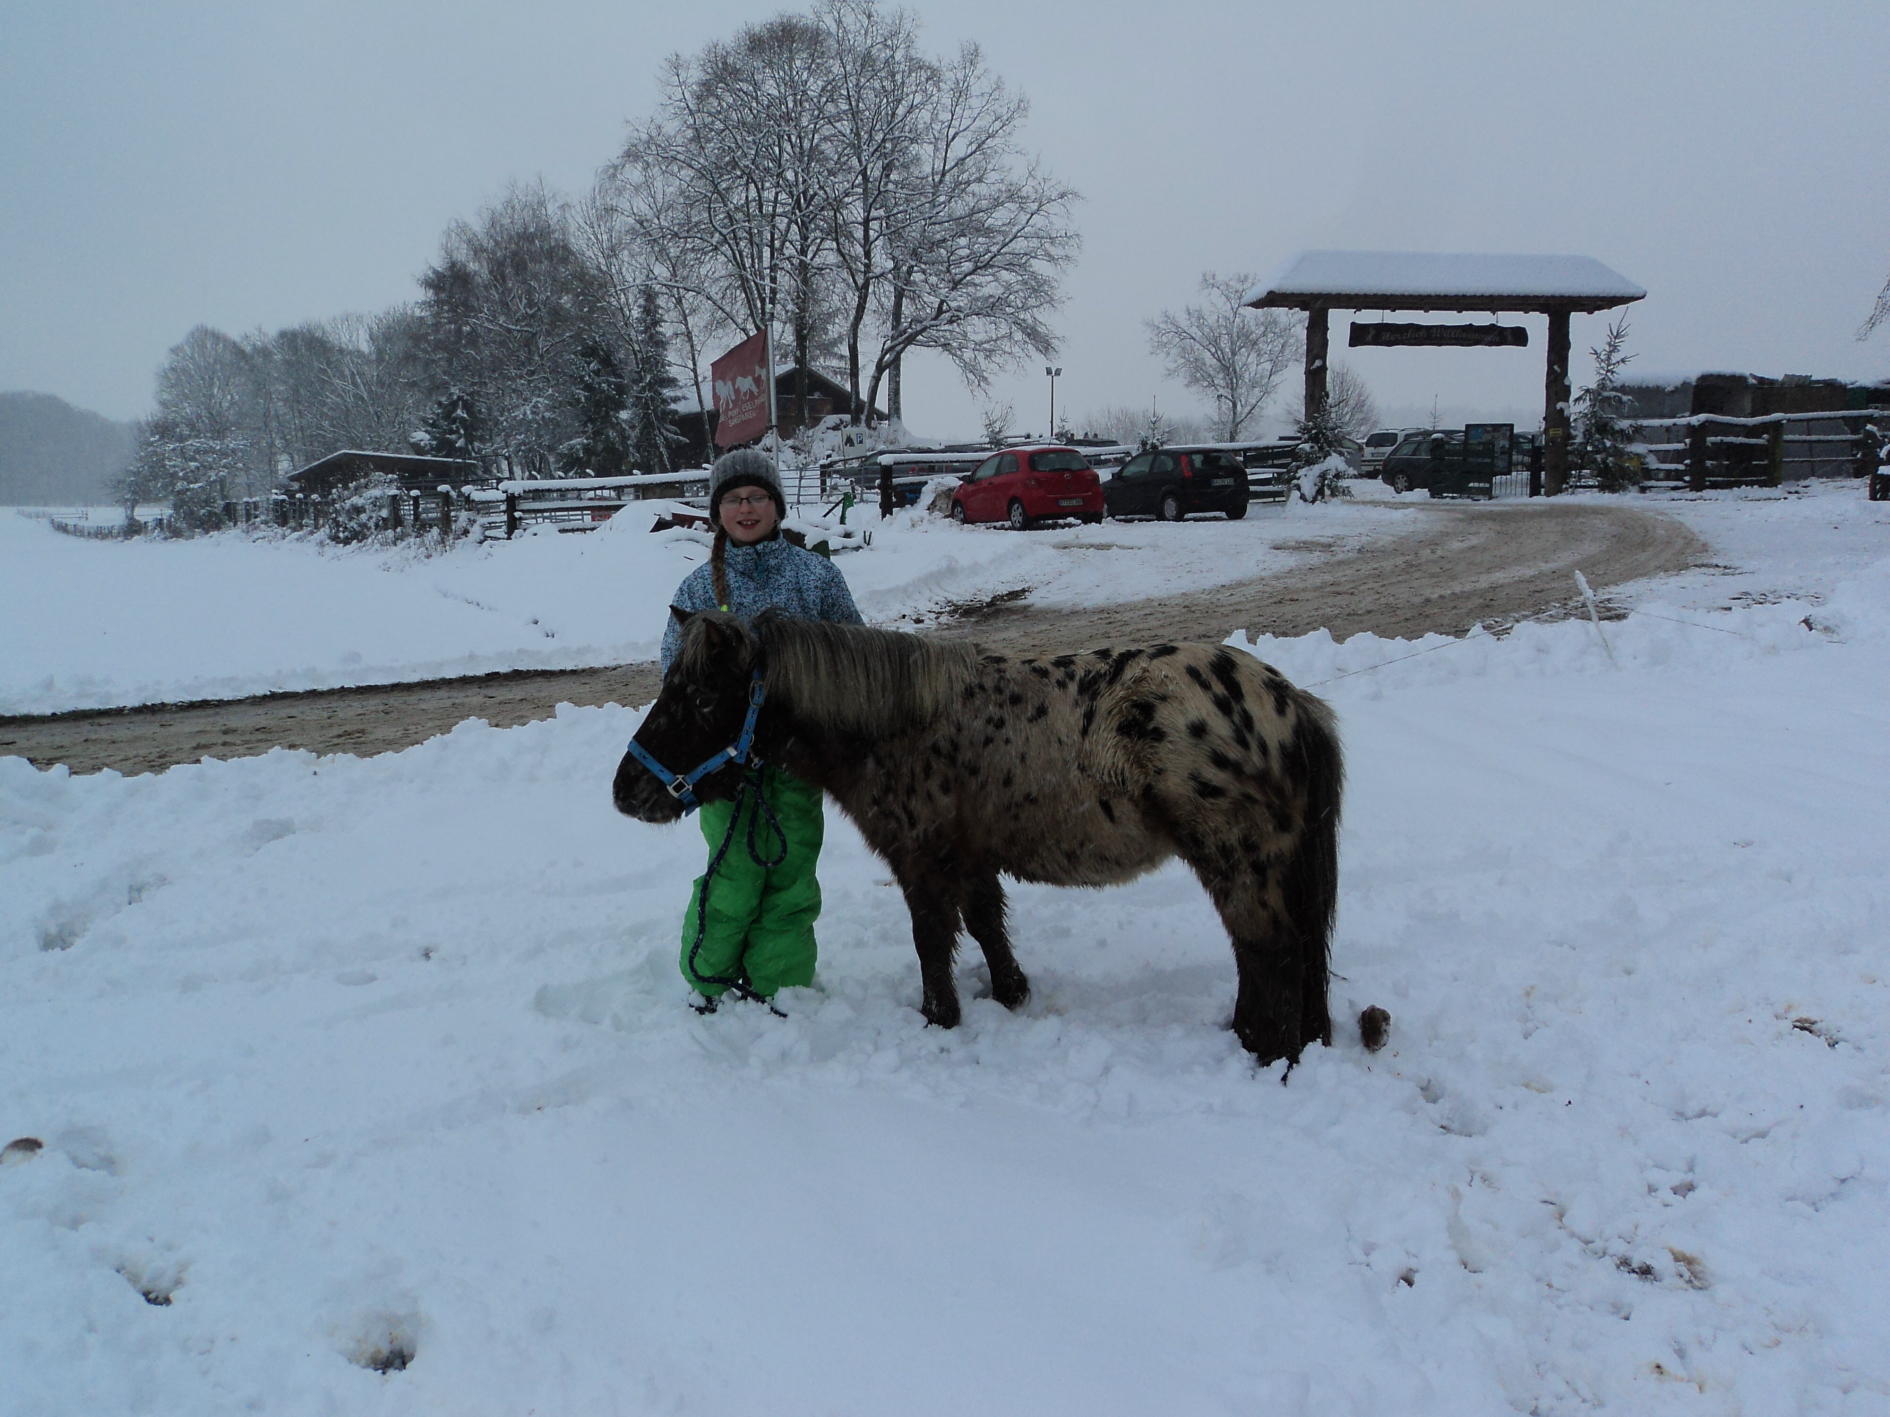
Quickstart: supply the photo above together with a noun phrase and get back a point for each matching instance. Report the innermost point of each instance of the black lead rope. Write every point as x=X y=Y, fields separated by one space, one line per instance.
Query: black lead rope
x=751 y=782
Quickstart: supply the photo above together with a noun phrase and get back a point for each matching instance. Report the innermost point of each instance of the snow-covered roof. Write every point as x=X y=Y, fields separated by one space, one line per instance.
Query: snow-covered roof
x=1428 y=280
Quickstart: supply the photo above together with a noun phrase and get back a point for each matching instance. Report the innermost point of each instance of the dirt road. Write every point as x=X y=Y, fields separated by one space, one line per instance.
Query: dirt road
x=1473 y=564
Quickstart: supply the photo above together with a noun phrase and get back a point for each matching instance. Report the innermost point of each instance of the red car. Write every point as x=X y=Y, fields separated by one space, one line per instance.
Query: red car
x=1023 y=485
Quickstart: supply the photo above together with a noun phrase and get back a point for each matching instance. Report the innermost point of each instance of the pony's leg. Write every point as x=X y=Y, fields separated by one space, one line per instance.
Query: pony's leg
x=935 y=921
x=1271 y=1002
x=984 y=919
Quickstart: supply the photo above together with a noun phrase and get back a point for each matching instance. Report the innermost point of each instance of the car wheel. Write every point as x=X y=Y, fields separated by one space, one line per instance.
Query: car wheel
x=958 y=512
x=1171 y=507
x=1018 y=520
x=1237 y=511
x=1400 y=482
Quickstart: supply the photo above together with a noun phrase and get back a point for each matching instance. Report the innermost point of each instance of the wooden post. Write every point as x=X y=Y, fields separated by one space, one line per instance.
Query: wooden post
x=1775 y=452
x=1696 y=457
x=446 y=516
x=1555 y=408
x=1316 y=339
x=511 y=515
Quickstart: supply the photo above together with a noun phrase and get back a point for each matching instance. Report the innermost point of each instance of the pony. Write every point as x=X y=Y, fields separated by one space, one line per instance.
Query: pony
x=959 y=766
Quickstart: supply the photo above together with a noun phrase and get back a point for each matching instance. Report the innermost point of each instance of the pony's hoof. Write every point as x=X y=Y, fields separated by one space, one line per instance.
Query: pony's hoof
x=1013 y=994
x=941 y=1018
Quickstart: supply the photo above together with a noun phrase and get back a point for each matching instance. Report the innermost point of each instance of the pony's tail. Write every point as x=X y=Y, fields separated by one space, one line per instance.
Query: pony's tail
x=1311 y=882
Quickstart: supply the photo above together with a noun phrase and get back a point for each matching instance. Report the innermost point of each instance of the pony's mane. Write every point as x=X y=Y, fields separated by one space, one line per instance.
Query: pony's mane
x=861 y=680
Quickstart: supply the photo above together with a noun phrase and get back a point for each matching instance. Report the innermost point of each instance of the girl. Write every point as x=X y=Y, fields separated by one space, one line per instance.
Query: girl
x=758 y=932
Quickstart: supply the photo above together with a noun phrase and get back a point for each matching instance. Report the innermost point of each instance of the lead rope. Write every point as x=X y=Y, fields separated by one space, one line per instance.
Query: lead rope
x=751 y=782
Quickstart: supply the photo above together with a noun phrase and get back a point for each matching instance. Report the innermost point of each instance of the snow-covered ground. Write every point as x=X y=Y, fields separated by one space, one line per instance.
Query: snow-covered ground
x=341 y=1064
x=115 y=623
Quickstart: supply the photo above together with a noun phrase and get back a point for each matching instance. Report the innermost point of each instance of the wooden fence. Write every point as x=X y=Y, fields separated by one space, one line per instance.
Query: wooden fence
x=1715 y=450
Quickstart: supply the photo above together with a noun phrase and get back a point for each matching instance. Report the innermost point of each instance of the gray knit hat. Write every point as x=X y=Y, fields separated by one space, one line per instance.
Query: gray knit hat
x=745 y=467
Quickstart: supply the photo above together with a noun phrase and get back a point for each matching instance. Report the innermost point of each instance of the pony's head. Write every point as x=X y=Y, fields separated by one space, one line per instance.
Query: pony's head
x=700 y=711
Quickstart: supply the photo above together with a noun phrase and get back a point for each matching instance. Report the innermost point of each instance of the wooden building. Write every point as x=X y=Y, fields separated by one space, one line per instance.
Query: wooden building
x=329 y=475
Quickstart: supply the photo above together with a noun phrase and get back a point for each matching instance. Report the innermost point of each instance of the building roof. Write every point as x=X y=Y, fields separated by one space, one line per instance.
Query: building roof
x=394 y=462
x=1423 y=280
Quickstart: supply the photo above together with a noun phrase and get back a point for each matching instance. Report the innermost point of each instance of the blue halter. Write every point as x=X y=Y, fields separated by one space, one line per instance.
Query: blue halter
x=682 y=785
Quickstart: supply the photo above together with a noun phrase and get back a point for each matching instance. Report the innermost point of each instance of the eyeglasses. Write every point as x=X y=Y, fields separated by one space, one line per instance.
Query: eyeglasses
x=760 y=499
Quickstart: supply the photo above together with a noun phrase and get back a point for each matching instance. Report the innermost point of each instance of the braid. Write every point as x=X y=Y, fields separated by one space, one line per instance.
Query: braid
x=718 y=567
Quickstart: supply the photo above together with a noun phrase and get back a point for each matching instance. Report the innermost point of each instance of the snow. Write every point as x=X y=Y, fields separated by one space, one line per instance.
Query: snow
x=164 y=622
x=1426 y=274
x=336 y=1059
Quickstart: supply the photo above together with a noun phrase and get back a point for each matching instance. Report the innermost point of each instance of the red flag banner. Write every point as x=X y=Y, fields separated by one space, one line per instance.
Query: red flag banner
x=741 y=392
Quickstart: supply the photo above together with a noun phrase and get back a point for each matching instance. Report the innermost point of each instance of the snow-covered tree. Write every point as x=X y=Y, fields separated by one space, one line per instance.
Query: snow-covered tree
x=1600 y=418
x=652 y=389
x=507 y=307
x=1354 y=410
x=193 y=472
x=1155 y=433
x=600 y=397
x=1233 y=355
x=1319 y=458
x=818 y=174
x=453 y=429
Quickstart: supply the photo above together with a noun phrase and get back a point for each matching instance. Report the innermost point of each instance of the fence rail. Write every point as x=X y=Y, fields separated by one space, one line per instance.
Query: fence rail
x=1721 y=450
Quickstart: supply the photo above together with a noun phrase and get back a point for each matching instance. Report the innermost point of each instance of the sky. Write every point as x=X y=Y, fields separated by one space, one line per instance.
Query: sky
x=251 y=167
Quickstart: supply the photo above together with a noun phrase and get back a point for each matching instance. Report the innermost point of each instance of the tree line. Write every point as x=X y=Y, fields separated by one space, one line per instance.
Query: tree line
x=818 y=174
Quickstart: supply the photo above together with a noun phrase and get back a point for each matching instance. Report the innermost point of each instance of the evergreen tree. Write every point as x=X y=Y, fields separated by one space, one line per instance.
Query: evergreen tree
x=1319 y=458
x=602 y=446
x=1157 y=433
x=652 y=391
x=1601 y=424
x=453 y=430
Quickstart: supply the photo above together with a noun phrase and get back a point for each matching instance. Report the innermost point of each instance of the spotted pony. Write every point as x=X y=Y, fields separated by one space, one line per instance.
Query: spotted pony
x=959 y=766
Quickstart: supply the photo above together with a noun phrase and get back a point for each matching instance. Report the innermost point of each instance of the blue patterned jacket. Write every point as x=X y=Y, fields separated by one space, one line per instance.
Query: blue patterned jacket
x=770 y=575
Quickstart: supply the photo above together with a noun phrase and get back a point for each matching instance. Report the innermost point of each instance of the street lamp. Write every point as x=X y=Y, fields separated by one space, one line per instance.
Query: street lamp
x=1053 y=398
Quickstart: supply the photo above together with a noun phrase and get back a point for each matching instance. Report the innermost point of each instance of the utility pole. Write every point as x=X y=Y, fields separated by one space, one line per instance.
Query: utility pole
x=1050 y=436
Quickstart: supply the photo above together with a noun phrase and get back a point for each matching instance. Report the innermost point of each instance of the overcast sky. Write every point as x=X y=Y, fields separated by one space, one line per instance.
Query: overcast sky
x=250 y=166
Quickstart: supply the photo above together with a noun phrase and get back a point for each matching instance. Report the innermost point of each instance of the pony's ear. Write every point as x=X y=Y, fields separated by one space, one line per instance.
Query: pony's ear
x=683 y=617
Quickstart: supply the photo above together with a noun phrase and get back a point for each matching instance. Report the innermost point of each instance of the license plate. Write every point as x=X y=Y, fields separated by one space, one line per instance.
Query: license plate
x=1069 y=501
x=1222 y=482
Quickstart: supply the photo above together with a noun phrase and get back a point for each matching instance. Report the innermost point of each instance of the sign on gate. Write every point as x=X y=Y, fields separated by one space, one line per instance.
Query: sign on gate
x=1384 y=332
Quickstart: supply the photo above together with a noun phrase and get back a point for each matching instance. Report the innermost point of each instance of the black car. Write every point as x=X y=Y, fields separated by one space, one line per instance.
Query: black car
x=1172 y=483
x=1420 y=459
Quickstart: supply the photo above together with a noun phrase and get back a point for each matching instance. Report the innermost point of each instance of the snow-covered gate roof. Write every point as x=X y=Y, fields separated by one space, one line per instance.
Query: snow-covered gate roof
x=1421 y=280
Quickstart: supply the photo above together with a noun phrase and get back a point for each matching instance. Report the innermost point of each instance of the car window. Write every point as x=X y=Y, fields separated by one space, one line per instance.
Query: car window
x=1382 y=440
x=1164 y=464
x=1411 y=448
x=1215 y=465
x=1137 y=466
x=1058 y=462
x=1006 y=465
x=987 y=468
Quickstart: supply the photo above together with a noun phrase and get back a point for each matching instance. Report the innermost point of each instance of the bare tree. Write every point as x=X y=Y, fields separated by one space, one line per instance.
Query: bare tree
x=981 y=244
x=1879 y=312
x=820 y=172
x=736 y=173
x=1233 y=355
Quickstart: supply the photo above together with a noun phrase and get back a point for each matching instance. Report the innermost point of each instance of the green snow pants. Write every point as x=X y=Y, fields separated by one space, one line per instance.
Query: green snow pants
x=760 y=918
